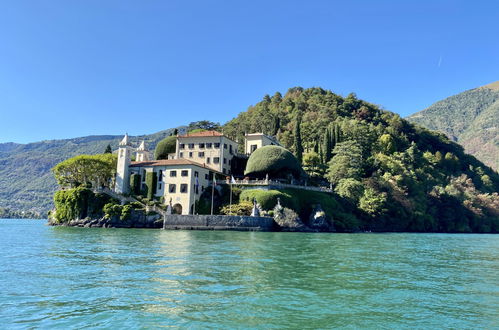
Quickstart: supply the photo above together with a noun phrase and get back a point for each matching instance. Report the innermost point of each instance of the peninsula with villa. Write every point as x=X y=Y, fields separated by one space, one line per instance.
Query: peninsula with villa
x=202 y=181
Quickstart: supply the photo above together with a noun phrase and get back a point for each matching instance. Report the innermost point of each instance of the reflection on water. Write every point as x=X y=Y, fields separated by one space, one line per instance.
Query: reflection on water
x=74 y=277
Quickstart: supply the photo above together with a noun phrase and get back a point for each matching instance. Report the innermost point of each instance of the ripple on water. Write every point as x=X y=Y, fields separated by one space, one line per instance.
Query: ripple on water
x=74 y=277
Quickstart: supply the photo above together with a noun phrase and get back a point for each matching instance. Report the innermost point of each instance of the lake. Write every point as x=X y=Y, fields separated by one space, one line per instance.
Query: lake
x=130 y=278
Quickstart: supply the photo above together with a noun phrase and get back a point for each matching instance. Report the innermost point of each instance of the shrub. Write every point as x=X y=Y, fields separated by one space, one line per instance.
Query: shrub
x=151 y=181
x=275 y=161
x=135 y=184
x=164 y=147
x=126 y=211
x=112 y=209
x=78 y=203
x=243 y=208
x=268 y=198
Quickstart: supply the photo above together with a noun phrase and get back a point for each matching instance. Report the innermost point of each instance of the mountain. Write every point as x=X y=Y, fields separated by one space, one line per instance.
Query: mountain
x=388 y=174
x=470 y=118
x=26 y=182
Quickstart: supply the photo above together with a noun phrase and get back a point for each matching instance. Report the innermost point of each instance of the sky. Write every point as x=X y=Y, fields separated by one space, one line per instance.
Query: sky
x=92 y=67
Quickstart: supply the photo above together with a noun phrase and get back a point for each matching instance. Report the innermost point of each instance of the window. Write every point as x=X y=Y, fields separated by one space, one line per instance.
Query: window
x=225 y=145
x=196 y=174
x=208 y=145
x=160 y=186
x=230 y=149
x=216 y=160
x=144 y=175
x=181 y=155
x=201 y=146
x=160 y=176
x=225 y=160
x=207 y=176
x=191 y=145
x=229 y=161
x=184 y=173
x=223 y=170
x=201 y=154
x=217 y=145
x=207 y=160
x=173 y=173
x=190 y=154
x=172 y=188
x=181 y=146
x=183 y=188
x=253 y=147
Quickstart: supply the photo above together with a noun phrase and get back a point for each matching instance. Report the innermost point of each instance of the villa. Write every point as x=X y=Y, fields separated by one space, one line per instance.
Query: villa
x=183 y=177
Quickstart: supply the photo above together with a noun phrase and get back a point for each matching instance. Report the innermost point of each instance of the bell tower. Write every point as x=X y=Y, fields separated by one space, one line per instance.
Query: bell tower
x=122 y=171
x=142 y=153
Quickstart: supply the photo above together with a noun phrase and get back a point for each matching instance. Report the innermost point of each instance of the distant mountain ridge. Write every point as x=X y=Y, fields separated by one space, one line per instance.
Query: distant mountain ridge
x=470 y=118
x=26 y=181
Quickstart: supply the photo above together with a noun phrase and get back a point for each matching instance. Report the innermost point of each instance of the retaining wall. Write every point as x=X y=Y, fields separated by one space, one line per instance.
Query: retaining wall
x=218 y=222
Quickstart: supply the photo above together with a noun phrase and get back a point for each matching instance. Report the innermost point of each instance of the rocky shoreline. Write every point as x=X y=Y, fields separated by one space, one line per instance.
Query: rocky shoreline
x=137 y=219
x=283 y=220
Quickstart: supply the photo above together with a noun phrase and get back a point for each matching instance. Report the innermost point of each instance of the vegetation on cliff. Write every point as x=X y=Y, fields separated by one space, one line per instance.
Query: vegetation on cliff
x=387 y=173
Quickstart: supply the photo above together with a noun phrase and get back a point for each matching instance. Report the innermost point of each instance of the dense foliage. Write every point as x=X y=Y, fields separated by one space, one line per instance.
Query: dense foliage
x=88 y=170
x=164 y=147
x=471 y=118
x=274 y=161
x=78 y=203
x=151 y=181
x=388 y=174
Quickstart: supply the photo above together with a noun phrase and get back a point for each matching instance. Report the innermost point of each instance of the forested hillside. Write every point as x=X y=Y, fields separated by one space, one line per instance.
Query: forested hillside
x=470 y=118
x=26 y=182
x=394 y=175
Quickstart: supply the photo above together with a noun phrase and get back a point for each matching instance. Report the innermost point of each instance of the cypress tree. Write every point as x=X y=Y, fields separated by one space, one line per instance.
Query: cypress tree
x=108 y=149
x=298 y=142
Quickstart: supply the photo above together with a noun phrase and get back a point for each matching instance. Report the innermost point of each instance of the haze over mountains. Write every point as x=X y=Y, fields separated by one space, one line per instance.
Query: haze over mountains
x=470 y=118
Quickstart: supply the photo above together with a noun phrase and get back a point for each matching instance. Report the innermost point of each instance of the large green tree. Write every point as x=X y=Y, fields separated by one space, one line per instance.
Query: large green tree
x=86 y=170
x=164 y=147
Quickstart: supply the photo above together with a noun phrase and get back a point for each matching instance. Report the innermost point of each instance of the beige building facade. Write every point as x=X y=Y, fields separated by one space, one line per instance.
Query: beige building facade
x=210 y=148
x=180 y=181
x=255 y=141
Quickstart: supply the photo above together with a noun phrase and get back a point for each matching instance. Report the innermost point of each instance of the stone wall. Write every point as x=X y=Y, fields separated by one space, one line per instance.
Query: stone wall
x=218 y=222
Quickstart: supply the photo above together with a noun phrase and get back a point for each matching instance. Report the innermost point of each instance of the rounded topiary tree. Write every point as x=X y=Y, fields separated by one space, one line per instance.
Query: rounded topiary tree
x=165 y=147
x=275 y=161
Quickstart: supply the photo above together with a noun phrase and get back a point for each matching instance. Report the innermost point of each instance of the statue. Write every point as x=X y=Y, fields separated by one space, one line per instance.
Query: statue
x=278 y=207
x=255 y=212
x=169 y=208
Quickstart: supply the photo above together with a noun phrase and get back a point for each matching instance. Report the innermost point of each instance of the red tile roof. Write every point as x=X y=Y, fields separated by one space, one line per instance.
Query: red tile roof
x=166 y=162
x=202 y=134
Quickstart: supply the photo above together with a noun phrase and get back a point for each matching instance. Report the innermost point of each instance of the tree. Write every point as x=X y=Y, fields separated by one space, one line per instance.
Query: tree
x=371 y=202
x=203 y=124
x=347 y=162
x=108 y=149
x=312 y=165
x=86 y=170
x=166 y=146
x=386 y=144
x=298 y=142
x=350 y=188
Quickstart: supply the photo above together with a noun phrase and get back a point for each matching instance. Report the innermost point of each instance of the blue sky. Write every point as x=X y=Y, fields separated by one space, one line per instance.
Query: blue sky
x=76 y=68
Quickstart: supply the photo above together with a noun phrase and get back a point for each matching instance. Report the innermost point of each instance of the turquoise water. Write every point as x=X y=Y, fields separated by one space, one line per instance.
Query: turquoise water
x=132 y=278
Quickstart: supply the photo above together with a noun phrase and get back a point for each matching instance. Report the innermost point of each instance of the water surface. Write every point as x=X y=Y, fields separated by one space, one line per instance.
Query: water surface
x=116 y=278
